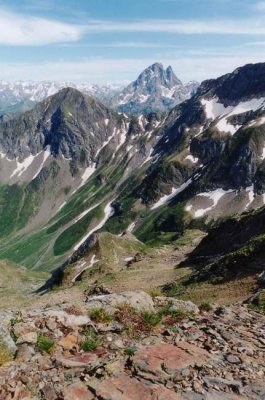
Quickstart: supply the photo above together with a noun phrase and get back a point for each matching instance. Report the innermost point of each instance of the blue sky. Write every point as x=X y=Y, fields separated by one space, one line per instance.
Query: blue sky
x=104 y=41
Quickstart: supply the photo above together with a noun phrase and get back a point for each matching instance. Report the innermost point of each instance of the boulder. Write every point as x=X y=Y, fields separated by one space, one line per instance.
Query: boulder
x=139 y=300
x=8 y=347
x=175 y=304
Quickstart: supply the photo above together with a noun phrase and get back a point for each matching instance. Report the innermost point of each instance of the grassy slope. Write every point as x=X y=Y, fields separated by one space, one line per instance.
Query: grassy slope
x=18 y=284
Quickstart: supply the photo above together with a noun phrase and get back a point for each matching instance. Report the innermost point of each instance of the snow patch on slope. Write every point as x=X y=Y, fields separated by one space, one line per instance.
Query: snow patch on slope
x=23 y=166
x=104 y=144
x=46 y=155
x=192 y=159
x=213 y=108
x=251 y=196
x=214 y=196
x=165 y=199
x=108 y=211
x=87 y=173
x=84 y=213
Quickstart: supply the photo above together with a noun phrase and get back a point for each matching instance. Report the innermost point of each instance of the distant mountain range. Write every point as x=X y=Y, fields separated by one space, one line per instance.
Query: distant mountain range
x=23 y=95
x=155 y=89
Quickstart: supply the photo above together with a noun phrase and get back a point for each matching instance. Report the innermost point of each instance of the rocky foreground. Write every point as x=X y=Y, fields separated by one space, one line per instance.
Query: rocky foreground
x=132 y=346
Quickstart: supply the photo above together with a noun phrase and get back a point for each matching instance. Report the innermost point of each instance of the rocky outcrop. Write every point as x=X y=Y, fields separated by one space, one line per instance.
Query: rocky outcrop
x=8 y=347
x=211 y=355
x=141 y=301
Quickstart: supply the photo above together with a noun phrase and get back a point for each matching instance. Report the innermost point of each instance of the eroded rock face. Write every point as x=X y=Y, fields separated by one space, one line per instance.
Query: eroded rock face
x=141 y=301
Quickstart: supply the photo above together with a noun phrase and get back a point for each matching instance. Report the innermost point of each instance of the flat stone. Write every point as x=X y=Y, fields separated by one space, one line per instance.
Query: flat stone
x=159 y=362
x=121 y=387
x=30 y=337
x=77 y=391
x=220 y=382
x=162 y=393
x=49 y=393
x=80 y=361
x=112 y=327
x=233 y=359
x=69 y=341
x=66 y=319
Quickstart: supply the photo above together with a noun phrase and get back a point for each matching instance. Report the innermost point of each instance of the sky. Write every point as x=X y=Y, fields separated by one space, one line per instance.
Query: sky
x=112 y=41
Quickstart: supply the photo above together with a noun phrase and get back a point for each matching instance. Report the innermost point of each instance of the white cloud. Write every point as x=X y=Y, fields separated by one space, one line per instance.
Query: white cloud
x=32 y=31
x=137 y=45
x=260 y=6
x=250 y=26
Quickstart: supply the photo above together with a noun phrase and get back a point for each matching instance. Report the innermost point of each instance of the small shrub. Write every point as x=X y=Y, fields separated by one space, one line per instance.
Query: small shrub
x=173 y=316
x=206 y=307
x=89 y=345
x=68 y=377
x=73 y=310
x=91 y=342
x=136 y=324
x=151 y=318
x=155 y=292
x=100 y=315
x=129 y=351
x=5 y=355
x=45 y=343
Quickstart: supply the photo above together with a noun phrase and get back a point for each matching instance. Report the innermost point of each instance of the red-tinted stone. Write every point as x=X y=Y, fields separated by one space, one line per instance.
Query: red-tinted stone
x=100 y=352
x=159 y=362
x=79 y=361
x=77 y=391
x=121 y=387
x=22 y=394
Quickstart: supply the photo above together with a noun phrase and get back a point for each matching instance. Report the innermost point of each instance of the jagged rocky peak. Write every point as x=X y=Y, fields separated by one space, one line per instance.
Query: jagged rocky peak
x=156 y=89
x=155 y=75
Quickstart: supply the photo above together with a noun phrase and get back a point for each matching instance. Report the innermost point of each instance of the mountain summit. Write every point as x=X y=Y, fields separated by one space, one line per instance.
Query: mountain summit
x=156 y=89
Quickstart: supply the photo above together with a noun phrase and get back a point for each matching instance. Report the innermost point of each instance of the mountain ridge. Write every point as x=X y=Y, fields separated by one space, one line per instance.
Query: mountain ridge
x=155 y=175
